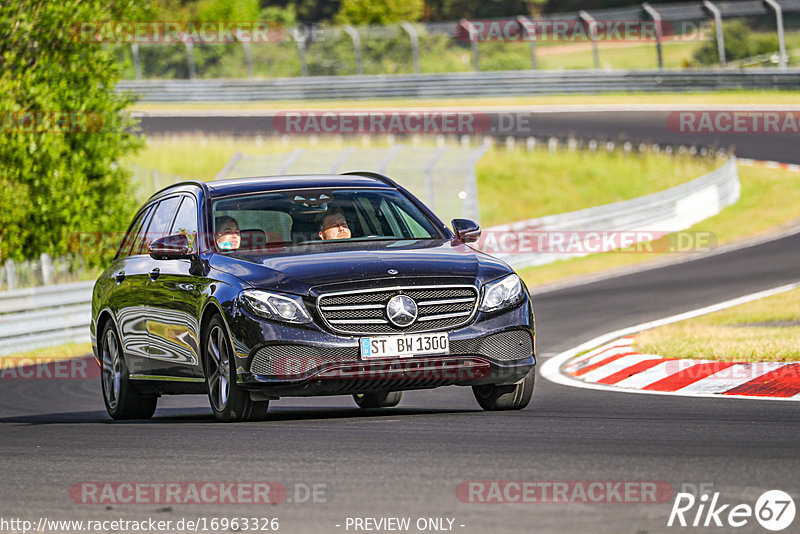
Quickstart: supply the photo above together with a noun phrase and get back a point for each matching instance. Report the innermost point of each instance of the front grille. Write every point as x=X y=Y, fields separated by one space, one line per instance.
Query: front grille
x=294 y=361
x=364 y=312
x=505 y=346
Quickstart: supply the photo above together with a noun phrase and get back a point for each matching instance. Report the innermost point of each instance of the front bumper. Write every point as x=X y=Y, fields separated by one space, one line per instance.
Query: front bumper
x=493 y=349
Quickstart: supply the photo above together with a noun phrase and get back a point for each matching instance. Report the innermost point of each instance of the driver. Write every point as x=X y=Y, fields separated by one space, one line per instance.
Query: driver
x=227 y=236
x=333 y=225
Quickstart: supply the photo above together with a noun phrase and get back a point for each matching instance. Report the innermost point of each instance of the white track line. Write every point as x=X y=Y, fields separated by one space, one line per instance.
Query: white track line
x=551 y=369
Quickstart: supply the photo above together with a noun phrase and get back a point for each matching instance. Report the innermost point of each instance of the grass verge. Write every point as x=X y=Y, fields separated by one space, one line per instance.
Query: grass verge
x=770 y=199
x=49 y=354
x=763 y=330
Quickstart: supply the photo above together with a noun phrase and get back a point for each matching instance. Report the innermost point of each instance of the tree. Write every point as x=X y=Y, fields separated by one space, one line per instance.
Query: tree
x=60 y=179
x=362 y=12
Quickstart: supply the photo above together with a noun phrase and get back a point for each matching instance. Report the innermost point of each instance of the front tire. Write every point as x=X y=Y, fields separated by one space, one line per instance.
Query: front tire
x=229 y=401
x=511 y=397
x=383 y=399
x=122 y=399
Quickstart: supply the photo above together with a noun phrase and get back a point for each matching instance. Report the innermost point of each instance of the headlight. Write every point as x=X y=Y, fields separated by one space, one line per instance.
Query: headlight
x=278 y=307
x=503 y=293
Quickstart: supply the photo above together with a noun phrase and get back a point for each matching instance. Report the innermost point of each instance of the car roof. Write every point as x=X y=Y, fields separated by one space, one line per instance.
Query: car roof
x=236 y=186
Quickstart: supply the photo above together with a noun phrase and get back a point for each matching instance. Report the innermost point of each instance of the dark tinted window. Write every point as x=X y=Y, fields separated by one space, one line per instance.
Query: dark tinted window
x=186 y=220
x=160 y=223
x=138 y=233
x=130 y=237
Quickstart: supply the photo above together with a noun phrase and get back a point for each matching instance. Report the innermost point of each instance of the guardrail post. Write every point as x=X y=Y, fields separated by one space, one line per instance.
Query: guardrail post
x=473 y=40
x=387 y=159
x=47 y=268
x=137 y=62
x=300 y=35
x=353 y=33
x=343 y=155
x=650 y=10
x=228 y=167
x=592 y=23
x=190 y=58
x=248 y=59
x=430 y=195
x=470 y=207
x=781 y=40
x=414 y=36
x=529 y=34
x=11 y=274
x=290 y=160
x=714 y=10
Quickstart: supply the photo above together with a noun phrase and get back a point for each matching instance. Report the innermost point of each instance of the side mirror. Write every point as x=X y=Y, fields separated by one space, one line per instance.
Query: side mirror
x=171 y=247
x=466 y=231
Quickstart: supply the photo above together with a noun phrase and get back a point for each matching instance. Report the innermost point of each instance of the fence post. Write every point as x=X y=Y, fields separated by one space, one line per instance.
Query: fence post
x=47 y=268
x=529 y=34
x=226 y=170
x=414 y=36
x=248 y=58
x=11 y=274
x=137 y=62
x=592 y=23
x=470 y=208
x=353 y=33
x=718 y=23
x=300 y=35
x=190 y=58
x=387 y=159
x=430 y=195
x=473 y=40
x=290 y=160
x=781 y=41
x=659 y=31
x=343 y=155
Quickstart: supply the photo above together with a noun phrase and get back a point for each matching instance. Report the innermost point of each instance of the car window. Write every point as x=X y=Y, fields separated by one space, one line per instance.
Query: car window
x=294 y=217
x=160 y=223
x=136 y=242
x=130 y=237
x=186 y=219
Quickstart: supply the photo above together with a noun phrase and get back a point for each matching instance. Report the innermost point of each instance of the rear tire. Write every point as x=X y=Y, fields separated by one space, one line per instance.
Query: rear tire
x=229 y=401
x=512 y=397
x=122 y=399
x=383 y=399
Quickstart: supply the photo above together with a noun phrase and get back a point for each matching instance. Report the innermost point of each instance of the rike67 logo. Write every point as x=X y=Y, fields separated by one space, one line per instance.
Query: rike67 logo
x=774 y=510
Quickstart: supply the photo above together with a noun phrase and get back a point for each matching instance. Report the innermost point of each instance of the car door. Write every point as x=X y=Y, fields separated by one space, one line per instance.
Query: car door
x=173 y=298
x=127 y=300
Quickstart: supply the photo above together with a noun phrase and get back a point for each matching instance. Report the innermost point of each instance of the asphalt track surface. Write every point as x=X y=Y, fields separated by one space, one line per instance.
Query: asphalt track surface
x=639 y=126
x=408 y=461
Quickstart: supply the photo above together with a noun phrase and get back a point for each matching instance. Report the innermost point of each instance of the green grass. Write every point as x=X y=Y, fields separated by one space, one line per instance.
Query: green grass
x=49 y=354
x=763 y=330
x=519 y=185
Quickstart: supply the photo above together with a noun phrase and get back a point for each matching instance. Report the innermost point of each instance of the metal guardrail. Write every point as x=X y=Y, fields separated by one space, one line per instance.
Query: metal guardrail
x=52 y=315
x=501 y=83
x=671 y=210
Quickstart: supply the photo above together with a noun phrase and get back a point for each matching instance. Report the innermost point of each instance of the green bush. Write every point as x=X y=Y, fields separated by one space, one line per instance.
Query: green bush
x=740 y=42
x=60 y=182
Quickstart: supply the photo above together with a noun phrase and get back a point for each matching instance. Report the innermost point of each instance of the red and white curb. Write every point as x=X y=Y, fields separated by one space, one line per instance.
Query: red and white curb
x=618 y=364
x=609 y=363
x=769 y=164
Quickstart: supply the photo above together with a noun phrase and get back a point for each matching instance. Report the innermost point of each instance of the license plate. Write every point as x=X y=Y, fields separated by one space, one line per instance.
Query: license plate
x=404 y=346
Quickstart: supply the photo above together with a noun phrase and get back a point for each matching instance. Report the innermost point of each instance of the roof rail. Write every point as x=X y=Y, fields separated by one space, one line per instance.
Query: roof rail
x=197 y=183
x=369 y=174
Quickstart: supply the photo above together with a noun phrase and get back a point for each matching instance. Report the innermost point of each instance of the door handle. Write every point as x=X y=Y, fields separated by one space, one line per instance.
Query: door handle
x=120 y=276
x=155 y=273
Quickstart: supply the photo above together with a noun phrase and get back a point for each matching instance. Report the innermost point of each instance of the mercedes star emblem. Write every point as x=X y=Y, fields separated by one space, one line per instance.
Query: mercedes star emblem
x=401 y=310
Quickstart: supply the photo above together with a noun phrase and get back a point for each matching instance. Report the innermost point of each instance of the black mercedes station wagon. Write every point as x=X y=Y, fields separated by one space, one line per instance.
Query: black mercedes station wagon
x=254 y=289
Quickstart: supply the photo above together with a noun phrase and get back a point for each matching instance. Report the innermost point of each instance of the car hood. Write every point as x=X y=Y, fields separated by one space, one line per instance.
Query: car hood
x=359 y=264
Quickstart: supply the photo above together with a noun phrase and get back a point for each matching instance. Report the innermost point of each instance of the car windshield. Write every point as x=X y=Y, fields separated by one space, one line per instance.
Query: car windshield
x=281 y=220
